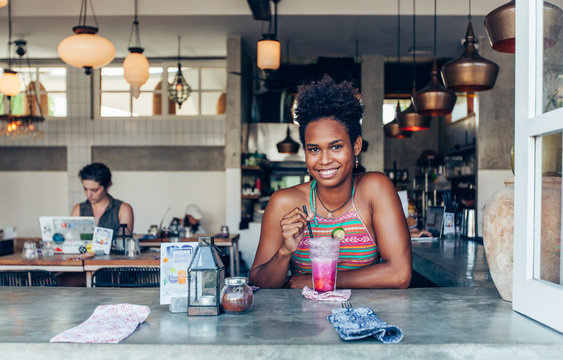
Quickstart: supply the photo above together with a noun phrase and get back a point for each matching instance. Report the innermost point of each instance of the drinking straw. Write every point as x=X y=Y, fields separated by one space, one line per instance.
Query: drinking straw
x=308 y=222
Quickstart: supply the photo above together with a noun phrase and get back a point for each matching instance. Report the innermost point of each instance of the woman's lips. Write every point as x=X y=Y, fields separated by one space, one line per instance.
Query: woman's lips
x=328 y=173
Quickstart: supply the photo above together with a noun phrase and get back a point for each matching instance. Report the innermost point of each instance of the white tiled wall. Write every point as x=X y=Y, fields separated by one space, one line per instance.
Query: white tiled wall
x=79 y=132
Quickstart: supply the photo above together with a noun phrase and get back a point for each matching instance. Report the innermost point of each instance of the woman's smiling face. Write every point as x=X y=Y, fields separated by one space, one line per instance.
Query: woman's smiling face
x=329 y=155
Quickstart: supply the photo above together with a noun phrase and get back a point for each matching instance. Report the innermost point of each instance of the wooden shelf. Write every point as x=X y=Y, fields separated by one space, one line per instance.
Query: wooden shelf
x=250 y=196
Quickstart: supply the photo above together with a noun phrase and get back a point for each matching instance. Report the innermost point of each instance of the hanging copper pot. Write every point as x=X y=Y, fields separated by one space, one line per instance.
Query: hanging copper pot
x=288 y=145
x=434 y=99
x=410 y=120
x=470 y=71
x=500 y=25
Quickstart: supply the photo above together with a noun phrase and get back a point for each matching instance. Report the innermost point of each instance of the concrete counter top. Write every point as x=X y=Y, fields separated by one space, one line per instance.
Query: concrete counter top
x=470 y=322
x=451 y=262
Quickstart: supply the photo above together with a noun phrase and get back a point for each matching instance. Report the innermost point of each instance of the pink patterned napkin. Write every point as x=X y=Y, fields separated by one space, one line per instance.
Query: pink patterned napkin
x=336 y=295
x=108 y=324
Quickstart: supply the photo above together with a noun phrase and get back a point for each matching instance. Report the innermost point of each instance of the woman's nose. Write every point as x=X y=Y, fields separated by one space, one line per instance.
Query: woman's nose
x=325 y=157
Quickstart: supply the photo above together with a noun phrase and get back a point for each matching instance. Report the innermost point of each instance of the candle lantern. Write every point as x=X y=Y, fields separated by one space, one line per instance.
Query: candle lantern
x=206 y=276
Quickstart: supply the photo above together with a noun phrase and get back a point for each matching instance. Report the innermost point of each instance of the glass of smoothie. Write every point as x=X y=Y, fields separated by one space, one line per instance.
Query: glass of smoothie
x=324 y=253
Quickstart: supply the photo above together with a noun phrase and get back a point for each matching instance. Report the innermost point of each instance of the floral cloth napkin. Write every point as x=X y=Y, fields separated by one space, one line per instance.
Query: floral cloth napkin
x=336 y=295
x=108 y=324
x=358 y=323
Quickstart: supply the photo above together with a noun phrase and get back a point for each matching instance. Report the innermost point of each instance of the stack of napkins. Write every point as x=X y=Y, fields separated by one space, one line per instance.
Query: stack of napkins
x=108 y=324
x=358 y=323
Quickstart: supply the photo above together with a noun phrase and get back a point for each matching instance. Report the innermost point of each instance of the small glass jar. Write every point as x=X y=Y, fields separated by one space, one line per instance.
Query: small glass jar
x=29 y=251
x=237 y=296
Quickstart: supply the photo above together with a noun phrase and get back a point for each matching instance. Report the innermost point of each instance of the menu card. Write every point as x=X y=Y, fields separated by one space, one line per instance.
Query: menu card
x=101 y=239
x=174 y=261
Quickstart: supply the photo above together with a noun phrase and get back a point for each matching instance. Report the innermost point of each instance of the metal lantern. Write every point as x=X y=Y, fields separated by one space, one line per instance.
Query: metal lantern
x=470 y=71
x=206 y=276
x=288 y=145
x=434 y=99
x=392 y=129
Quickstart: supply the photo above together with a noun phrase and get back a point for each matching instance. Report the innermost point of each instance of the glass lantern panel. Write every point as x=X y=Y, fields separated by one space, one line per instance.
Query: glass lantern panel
x=213 y=78
x=190 y=74
x=209 y=103
x=552 y=56
x=190 y=106
x=547 y=252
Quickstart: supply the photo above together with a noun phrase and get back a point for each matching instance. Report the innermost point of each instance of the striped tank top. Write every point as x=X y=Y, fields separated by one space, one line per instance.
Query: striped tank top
x=357 y=249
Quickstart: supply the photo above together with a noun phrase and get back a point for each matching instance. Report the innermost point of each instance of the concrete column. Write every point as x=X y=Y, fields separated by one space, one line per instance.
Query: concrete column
x=373 y=93
x=233 y=133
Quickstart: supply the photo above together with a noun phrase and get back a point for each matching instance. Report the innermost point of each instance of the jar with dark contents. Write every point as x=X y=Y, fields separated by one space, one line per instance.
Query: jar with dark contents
x=236 y=295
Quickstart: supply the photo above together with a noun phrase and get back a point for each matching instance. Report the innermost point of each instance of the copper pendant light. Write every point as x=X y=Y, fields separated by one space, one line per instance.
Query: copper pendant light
x=434 y=99
x=409 y=119
x=288 y=145
x=500 y=25
x=392 y=129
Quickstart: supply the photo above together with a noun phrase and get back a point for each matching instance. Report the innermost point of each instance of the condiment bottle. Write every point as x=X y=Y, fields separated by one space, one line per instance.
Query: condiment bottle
x=236 y=296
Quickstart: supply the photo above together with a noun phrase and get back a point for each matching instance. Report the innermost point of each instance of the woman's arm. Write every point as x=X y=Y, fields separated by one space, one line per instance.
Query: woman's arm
x=126 y=216
x=378 y=198
x=282 y=228
x=75 y=210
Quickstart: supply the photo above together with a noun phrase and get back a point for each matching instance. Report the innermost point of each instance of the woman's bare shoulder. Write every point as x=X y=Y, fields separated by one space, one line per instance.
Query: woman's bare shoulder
x=291 y=197
x=373 y=179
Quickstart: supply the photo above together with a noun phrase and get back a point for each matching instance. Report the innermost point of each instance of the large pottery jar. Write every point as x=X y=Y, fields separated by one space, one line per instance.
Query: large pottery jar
x=498 y=234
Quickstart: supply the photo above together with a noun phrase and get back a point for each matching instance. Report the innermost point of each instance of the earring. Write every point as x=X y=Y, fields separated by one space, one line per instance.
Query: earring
x=356 y=161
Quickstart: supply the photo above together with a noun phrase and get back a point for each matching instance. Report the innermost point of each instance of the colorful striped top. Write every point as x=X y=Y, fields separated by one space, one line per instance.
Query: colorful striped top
x=357 y=249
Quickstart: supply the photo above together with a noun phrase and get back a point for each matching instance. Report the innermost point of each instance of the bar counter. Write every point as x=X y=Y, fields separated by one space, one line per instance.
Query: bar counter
x=438 y=323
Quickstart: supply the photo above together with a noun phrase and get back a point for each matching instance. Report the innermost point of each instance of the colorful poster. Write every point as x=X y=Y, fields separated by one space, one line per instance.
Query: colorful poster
x=174 y=261
x=101 y=240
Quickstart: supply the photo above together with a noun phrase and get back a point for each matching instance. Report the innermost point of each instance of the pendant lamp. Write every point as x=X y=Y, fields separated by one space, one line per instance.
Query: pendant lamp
x=500 y=25
x=85 y=49
x=470 y=71
x=3 y=3
x=10 y=84
x=288 y=145
x=179 y=90
x=392 y=129
x=409 y=119
x=434 y=99
x=268 y=49
x=136 y=65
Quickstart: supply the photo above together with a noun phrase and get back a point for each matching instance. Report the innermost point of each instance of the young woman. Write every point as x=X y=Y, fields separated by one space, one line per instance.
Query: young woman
x=107 y=211
x=376 y=250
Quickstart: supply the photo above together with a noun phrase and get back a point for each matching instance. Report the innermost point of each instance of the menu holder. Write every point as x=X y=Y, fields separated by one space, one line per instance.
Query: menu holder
x=174 y=261
x=101 y=240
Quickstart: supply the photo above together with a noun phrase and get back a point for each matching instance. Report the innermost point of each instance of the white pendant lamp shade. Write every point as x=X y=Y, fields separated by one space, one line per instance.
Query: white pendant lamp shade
x=10 y=84
x=3 y=3
x=85 y=49
x=268 y=53
x=136 y=70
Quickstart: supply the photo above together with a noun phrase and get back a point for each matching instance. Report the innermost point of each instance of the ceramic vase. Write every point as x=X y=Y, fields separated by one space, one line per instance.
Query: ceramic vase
x=498 y=234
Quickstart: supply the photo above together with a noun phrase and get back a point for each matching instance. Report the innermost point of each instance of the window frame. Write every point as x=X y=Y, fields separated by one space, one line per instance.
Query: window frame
x=532 y=297
x=164 y=64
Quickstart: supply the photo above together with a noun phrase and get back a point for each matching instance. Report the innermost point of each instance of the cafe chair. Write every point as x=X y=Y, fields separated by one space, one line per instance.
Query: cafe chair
x=126 y=277
x=28 y=278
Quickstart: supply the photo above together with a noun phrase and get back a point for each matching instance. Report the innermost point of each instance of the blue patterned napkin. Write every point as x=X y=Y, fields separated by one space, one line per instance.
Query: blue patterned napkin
x=358 y=323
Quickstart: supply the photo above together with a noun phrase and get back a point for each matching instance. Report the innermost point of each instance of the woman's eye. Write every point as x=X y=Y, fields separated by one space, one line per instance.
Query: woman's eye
x=313 y=149
x=337 y=147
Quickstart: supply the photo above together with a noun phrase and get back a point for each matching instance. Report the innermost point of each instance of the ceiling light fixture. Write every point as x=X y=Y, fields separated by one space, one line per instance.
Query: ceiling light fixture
x=10 y=84
x=179 y=90
x=500 y=25
x=3 y=3
x=288 y=145
x=470 y=71
x=392 y=129
x=136 y=65
x=268 y=49
x=434 y=99
x=409 y=119
x=85 y=49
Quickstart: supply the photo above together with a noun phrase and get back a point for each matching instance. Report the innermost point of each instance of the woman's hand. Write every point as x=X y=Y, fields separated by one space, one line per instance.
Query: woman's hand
x=300 y=281
x=293 y=226
x=415 y=233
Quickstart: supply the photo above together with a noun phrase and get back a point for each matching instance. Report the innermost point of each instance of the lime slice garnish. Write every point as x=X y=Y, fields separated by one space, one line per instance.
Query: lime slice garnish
x=338 y=233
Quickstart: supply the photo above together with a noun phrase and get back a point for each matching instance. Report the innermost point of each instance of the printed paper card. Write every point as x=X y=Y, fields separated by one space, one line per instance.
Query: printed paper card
x=449 y=223
x=101 y=239
x=174 y=261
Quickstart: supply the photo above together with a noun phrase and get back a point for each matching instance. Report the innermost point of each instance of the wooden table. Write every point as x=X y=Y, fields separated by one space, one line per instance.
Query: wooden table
x=56 y=263
x=231 y=242
x=146 y=259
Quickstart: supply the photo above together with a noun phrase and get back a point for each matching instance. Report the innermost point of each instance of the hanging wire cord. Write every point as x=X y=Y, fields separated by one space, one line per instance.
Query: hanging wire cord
x=135 y=30
x=83 y=13
x=435 y=10
x=398 y=48
x=413 y=45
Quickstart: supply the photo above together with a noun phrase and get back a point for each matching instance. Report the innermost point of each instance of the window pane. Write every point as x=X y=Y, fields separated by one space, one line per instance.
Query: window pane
x=143 y=105
x=155 y=75
x=115 y=104
x=213 y=78
x=53 y=78
x=210 y=103
x=549 y=247
x=390 y=107
x=553 y=56
x=57 y=104
x=190 y=74
x=190 y=106
x=112 y=79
